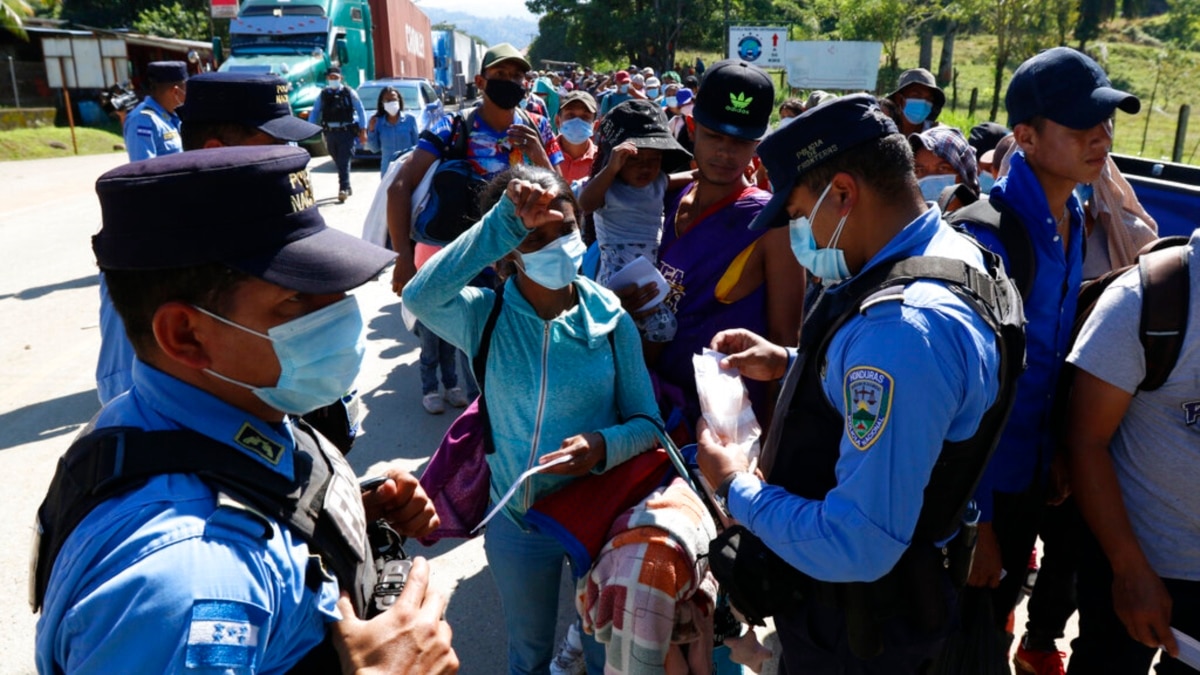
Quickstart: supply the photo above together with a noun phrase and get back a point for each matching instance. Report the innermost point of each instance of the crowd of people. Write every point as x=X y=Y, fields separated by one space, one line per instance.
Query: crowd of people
x=898 y=297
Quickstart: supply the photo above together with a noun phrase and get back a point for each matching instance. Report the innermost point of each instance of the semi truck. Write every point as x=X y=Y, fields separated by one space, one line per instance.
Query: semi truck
x=456 y=58
x=300 y=39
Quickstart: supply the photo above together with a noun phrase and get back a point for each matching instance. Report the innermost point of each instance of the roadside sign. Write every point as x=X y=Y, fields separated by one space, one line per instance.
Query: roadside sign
x=844 y=66
x=765 y=47
x=224 y=9
x=84 y=62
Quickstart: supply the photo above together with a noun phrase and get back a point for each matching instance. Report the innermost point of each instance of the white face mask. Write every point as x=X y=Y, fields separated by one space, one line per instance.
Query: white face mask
x=391 y=107
x=334 y=84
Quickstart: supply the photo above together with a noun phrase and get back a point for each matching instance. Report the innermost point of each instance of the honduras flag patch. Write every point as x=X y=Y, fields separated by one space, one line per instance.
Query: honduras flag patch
x=224 y=634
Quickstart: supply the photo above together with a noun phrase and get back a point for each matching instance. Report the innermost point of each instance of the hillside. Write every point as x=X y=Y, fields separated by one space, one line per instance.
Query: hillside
x=1132 y=67
x=516 y=31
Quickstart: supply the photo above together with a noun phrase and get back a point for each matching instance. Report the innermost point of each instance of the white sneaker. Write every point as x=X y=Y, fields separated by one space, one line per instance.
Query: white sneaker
x=433 y=403
x=569 y=660
x=342 y=195
x=456 y=397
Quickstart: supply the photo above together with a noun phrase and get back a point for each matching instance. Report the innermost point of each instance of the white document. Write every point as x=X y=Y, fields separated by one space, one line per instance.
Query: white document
x=513 y=488
x=641 y=272
x=1189 y=649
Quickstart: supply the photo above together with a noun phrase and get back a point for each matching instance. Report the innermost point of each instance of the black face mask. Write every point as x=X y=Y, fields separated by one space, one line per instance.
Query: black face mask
x=504 y=93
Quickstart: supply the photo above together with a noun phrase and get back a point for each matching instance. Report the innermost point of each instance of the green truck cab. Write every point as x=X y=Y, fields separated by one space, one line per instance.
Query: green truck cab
x=299 y=40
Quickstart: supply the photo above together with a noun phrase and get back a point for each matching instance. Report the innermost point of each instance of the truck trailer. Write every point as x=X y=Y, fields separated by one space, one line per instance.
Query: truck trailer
x=300 y=39
x=456 y=63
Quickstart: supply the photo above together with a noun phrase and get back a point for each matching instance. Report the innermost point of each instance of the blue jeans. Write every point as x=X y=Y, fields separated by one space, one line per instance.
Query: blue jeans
x=435 y=353
x=340 y=143
x=527 y=567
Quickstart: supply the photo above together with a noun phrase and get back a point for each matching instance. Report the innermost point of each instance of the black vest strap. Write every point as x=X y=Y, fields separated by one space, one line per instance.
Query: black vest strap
x=107 y=462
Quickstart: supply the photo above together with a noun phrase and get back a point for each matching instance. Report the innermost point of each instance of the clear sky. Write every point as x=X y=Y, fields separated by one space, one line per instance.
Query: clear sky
x=497 y=8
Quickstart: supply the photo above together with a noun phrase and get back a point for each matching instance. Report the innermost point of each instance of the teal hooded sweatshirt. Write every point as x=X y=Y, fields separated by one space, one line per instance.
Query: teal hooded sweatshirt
x=545 y=380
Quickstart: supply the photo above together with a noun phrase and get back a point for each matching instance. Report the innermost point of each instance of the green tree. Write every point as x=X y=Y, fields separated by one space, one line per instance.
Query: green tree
x=12 y=16
x=645 y=32
x=173 y=21
x=1091 y=18
x=1183 y=27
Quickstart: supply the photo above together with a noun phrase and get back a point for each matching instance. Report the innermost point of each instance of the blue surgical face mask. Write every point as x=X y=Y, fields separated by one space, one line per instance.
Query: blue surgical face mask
x=986 y=181
x=622 y=88
x=576 y=130
x=652 y=92
x=334 y=84
x=917 y=110
x=319 y=356
x=556 y=264
x=670 y=102
x=829 y=263
x=932 y=186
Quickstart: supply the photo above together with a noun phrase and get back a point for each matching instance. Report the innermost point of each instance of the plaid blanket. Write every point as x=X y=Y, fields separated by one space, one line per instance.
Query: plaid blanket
x=650 y=587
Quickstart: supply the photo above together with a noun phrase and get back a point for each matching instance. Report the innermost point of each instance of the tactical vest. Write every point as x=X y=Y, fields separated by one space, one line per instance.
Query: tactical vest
x=811 y=432
x=319 y=504
x=336 y=107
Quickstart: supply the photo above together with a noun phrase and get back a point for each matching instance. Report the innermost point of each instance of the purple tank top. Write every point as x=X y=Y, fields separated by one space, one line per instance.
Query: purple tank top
x=693 y=264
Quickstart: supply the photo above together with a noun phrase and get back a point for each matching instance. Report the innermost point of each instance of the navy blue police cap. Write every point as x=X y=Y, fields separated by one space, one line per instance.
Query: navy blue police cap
x=162 y=72
x=255 y=100
x=248 y=207
x=815 y=136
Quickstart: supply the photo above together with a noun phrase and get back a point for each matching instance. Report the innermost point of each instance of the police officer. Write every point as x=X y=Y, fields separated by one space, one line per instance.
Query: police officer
x=340 y=113
x=222 y=109
x=240 y=320
x=152 y=129
x=895 y=370
x=233 y=108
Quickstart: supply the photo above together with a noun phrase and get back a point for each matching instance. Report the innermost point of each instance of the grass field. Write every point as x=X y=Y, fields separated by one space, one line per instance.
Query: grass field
x=35 y=143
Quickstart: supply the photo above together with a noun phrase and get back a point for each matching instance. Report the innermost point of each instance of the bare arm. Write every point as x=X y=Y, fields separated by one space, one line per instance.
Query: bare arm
x=785 y=280
x=1141 y=601
x=592 y=197
x=399 y=215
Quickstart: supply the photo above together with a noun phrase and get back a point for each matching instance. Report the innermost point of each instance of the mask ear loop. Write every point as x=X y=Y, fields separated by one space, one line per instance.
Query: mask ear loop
x=837 y=233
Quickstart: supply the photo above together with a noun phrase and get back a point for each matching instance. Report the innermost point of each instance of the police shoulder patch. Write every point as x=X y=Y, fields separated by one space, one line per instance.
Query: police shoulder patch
x=868 y=397
x=224 y=634
x=255 y=441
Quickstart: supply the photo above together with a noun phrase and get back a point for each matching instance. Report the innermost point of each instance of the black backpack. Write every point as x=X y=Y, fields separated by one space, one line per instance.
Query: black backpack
x=1166 y=293
x=452 y=205
x=1007 y=225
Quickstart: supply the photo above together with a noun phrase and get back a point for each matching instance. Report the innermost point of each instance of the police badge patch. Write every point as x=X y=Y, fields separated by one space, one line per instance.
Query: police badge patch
x=868 y=395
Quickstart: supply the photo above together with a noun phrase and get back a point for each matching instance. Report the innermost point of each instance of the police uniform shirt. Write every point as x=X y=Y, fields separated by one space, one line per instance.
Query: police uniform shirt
x=906 y=375
x=151 y=131
x=161 y=579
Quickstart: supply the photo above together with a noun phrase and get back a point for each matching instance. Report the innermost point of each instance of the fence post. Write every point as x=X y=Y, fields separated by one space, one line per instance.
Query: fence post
x=954 y=91
x=1181 y=133
x=974 y=100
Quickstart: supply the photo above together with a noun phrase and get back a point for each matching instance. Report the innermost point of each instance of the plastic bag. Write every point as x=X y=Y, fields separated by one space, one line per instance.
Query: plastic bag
x=725 y=403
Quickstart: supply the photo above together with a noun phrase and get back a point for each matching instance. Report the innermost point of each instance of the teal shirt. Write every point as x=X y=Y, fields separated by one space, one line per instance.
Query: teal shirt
x=546 y=380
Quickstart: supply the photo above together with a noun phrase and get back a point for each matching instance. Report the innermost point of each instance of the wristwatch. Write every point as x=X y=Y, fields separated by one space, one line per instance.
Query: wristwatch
x=722 y=491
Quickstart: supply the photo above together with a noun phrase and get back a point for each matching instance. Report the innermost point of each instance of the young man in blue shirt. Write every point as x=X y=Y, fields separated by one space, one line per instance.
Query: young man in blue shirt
x=1060 y=105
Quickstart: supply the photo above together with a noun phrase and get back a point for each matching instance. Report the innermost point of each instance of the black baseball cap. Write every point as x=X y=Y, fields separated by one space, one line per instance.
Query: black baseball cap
x=815 y=136
x=257 y=100
x=985 y=136
x=273 y=231
x=735 y=98
x=1067 y=87
x=645 y=124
